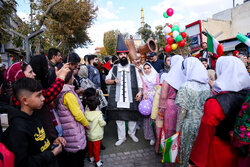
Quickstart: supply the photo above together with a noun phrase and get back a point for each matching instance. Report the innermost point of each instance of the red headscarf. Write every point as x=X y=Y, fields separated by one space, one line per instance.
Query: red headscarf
x=13 y=73
x=235 y=52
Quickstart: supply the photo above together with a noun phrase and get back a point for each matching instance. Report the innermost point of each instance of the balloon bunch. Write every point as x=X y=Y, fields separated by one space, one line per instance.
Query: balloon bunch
x=175 y=36
x=168 y=13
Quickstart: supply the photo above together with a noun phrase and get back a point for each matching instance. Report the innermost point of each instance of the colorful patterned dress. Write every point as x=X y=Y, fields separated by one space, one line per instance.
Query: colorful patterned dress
x=149 y=89
x=190 y=98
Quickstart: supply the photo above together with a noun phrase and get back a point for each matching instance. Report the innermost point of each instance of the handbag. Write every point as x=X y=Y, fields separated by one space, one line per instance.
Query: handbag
x=102 y=99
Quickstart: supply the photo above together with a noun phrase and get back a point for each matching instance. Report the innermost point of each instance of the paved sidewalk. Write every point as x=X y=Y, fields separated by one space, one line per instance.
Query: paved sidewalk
x=138 y=158
x=128 y=154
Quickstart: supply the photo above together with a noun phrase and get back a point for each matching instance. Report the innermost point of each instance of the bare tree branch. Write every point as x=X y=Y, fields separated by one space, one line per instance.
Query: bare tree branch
x=47 y=12
x=13 y=31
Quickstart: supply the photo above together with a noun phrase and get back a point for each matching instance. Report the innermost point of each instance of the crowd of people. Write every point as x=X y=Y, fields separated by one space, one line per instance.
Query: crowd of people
x=57 y=109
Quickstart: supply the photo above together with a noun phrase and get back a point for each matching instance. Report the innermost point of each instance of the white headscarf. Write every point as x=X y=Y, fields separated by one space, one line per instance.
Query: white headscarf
x=149 y=77
x=232 y=75
x=175 y=76
x=194 y=70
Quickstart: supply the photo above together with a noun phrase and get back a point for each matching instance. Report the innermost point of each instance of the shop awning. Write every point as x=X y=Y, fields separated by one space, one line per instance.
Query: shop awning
x=230 y=45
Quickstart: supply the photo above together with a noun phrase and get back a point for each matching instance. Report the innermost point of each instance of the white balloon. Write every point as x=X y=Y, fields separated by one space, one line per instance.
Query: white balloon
x=175 y=34
x=167 y=29
x=176 y=23
x=182 y=28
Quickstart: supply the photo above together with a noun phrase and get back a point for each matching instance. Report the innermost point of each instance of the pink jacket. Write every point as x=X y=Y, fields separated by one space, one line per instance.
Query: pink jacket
x=73 y=131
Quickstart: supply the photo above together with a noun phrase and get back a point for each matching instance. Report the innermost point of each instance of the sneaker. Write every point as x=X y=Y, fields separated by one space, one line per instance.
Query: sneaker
x=91 y=159
x=134 y=138
x=99 y=163
x=152 y=142
x=119 y=142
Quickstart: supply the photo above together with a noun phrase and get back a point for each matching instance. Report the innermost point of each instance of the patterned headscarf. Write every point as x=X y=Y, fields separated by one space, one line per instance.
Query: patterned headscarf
x=83 y=72
x=14 y=72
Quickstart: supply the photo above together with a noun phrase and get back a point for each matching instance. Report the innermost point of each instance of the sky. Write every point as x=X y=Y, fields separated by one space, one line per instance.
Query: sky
x=125 y=15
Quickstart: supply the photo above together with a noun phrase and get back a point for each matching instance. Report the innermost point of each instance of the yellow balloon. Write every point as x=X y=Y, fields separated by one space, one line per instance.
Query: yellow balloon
x=166 y=33
x=174 y=46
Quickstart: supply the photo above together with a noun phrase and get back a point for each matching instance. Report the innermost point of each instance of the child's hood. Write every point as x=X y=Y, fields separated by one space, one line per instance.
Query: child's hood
x=92 y=115
x=12 y=112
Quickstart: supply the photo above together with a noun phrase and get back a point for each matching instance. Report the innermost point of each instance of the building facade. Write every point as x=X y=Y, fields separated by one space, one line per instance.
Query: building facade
x=225 y=25
x=9 y=50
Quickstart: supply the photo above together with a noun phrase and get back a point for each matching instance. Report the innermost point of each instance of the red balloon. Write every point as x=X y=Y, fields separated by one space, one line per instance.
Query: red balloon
x=170 y=25
x=170 y=40
x=168 y=48
x=183 y=34
x=170 y=12
x=181 y=43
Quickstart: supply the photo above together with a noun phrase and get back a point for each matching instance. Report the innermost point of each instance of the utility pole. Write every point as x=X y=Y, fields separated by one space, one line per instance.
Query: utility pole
x=27 y=39
x=233 y=3
x=33 y=34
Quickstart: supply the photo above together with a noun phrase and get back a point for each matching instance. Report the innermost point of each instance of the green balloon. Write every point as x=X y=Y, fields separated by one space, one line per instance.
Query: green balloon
x=165 y=15
x=175 y=28
x=179 y=38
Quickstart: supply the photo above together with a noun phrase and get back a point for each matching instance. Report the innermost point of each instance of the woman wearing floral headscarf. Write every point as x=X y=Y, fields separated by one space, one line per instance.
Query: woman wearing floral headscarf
x=150 y=79
x=190 y=99
x=212 y=146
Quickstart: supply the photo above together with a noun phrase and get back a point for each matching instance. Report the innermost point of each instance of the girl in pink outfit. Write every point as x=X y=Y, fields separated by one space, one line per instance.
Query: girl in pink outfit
x=150 y=79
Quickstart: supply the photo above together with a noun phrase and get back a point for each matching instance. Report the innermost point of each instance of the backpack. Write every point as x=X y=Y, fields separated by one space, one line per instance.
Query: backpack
x=6 y=157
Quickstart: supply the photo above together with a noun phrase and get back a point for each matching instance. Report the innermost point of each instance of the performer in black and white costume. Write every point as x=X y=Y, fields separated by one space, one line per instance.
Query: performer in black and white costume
x=124 y=95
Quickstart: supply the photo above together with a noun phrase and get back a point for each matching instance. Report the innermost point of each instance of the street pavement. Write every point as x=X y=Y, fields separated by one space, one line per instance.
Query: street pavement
x=129 y=154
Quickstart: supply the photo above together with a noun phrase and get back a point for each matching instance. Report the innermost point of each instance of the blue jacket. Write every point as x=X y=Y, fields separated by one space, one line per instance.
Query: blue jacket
x=158 y=65
x=94 y=76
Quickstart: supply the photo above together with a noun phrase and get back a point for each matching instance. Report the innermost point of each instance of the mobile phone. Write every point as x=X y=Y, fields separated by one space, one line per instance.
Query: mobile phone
x=54 y=146
x=67 y=58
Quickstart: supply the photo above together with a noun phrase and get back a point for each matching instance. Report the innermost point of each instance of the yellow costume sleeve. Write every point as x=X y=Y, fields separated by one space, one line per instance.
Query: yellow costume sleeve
x=70 y=101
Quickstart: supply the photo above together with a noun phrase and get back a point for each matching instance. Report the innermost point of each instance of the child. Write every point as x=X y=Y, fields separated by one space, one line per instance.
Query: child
x=25 y=136
x=95 y=134
x=150 y=79
x=73 y=121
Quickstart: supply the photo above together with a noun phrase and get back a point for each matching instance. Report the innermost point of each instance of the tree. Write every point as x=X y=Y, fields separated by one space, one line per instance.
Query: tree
x=183 y=50
x=146 y=32
x=6 y=10
x=159 y=36
x=103 y=53
x=109 y=41
x=27 y=35
x=67 y=23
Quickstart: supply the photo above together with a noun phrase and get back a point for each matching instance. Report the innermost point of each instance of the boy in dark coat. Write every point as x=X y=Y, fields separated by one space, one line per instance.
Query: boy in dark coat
x=25 y=136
